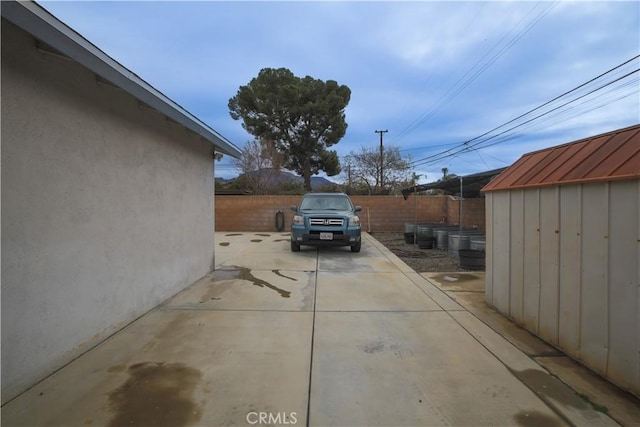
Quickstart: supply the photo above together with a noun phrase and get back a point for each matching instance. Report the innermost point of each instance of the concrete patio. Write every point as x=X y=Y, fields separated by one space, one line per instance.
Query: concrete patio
x=319 y=337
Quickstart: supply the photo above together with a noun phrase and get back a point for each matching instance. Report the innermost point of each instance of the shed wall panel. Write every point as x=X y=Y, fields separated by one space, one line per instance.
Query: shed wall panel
x=624 y=349
x=516 y=246
x=594 y=320
x=531 y=259
x=570 y=268
x=549 y=263
x=501 y=218
x=574 y=252
x=489 y=227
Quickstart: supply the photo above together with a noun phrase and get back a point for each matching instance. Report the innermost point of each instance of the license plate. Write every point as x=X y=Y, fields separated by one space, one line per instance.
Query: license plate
x=326 y=236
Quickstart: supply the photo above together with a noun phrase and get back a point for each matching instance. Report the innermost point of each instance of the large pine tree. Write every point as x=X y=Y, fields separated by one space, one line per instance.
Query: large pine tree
x=301 y=116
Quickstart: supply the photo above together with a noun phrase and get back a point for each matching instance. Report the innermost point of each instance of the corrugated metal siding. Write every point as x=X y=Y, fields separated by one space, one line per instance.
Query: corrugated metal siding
x=570 y=270
x=624 y=281
x=564 y=262
x=531 y=258
x=607 y=157
x=549 y=263
x=500 y=249
x=516 y=260
x=594 y=306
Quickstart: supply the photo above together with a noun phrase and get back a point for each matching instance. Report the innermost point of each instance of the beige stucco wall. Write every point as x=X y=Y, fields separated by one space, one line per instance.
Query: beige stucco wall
x=563 y=262
x=107 y=210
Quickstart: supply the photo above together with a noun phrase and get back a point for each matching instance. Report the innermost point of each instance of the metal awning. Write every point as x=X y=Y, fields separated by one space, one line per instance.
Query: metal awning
x=472 y=184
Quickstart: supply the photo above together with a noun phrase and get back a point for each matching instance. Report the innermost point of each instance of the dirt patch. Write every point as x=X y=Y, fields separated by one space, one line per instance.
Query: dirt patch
x=421 y=260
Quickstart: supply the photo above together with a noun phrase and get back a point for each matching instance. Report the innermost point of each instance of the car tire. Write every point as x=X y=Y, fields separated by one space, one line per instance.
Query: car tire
x=356 y=247
x=295 y=247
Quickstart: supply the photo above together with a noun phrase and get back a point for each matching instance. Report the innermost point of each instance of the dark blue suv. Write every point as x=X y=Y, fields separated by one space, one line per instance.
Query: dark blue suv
x=325 y=219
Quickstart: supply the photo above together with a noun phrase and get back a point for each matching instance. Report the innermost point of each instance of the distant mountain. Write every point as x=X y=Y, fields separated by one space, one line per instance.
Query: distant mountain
x=223 y=181
x=317 y=182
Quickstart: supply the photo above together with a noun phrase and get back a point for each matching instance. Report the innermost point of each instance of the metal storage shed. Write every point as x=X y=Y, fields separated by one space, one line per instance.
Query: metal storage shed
x=562 y=250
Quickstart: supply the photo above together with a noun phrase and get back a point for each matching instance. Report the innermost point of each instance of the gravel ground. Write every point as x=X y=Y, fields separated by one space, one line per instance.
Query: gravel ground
x=421 y=260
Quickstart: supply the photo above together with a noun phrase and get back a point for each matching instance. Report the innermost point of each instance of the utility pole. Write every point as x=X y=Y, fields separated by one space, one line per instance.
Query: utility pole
x=381 y=132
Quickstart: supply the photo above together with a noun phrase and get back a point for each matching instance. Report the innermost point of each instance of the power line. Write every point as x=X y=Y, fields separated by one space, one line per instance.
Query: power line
x=466 y=146
x=462 y=84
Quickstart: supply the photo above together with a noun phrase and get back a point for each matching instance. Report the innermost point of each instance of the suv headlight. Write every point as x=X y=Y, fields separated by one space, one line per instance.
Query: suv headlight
x=354 y=220
x=297 y=219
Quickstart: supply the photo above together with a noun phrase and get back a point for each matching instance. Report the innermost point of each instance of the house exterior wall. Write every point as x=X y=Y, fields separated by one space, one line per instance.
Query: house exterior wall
x=563 y=262
x=107 y=210
x=379 y=213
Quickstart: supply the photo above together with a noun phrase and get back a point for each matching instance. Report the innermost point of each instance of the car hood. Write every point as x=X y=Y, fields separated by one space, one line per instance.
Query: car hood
x=326 y=213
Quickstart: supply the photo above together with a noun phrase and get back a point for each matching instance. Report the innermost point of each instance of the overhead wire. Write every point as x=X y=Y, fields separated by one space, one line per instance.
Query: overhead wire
x=462 y=84
x=483 y=138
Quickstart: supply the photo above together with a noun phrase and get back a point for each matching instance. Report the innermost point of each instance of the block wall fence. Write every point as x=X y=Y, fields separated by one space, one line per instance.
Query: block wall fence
x=379 y=213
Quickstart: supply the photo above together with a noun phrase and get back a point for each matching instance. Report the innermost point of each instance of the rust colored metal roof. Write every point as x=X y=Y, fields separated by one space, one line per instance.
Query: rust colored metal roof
x=607 y=157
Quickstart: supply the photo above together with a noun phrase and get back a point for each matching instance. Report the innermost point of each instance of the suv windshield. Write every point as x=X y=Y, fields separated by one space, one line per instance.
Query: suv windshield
x=326 y=203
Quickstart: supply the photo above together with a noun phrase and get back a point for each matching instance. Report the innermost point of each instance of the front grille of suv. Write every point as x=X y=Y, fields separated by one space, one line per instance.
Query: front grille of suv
x=329 y=222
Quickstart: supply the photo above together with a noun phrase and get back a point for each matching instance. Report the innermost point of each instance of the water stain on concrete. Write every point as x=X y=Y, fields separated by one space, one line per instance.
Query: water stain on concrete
x=549 y=387
x=256 y=240
x=156 y=394
x=535 y=419
x=216 y=289
x=263 y=235
x=277 y=273
x=116 y=368
x=224 y=274
x=234 y=234
x=282 y=240
x=174 y=328
x=224 y=243
x=244 y=273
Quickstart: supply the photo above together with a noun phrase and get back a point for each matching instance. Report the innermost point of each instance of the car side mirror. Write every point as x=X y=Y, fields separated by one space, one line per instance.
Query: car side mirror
x=294 y=208
x=358 y=209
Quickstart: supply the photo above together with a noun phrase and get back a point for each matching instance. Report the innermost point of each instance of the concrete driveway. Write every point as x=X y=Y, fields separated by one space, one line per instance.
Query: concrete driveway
x=319 y=337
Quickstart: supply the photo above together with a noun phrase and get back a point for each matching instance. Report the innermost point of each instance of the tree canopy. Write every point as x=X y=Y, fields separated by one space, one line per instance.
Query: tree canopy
x=259 y=165
x=364 y=174
x=302 y=117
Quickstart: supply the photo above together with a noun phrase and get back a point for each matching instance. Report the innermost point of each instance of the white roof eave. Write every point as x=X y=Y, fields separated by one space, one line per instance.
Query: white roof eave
x=35 y=20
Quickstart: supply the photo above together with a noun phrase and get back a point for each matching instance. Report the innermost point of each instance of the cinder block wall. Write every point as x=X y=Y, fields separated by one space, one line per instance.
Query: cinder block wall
x=252 y=213
x=379 y=213
x=473 y=212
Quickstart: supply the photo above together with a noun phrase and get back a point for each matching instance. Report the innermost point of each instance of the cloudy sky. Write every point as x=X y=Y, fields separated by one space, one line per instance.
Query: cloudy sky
x=462 y=85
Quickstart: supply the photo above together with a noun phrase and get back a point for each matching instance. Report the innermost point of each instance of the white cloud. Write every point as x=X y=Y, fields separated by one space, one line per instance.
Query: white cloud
x=403 y=61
